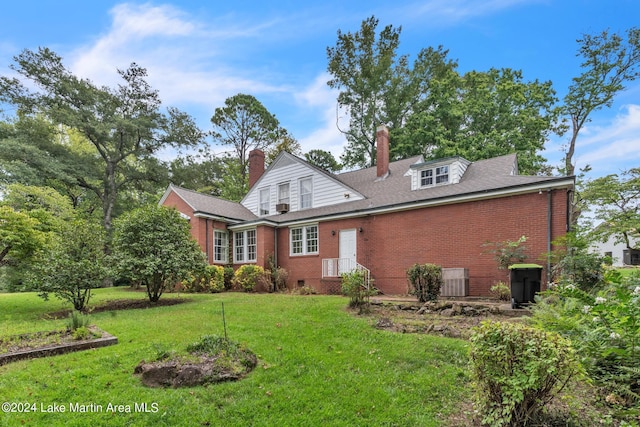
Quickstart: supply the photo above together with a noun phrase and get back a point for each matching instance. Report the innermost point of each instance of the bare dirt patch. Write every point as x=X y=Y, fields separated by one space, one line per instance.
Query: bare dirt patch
x=454 y=319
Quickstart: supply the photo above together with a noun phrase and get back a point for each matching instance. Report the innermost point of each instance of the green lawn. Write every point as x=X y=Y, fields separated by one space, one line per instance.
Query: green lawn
x=318 y=365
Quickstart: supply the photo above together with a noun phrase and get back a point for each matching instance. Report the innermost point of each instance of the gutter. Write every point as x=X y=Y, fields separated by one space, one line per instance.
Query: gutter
x=469 y=197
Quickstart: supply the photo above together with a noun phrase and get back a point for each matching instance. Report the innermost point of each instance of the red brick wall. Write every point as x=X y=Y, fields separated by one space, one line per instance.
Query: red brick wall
x=450 y=236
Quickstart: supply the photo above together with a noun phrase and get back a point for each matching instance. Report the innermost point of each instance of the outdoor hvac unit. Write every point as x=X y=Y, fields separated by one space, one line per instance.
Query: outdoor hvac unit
x=282 y=207
x=455 y=282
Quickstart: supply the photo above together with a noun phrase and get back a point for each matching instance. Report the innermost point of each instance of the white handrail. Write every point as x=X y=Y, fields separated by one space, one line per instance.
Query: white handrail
x=335 y=267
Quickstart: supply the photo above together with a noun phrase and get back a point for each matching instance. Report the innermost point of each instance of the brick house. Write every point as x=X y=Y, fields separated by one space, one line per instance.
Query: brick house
x=382 y=219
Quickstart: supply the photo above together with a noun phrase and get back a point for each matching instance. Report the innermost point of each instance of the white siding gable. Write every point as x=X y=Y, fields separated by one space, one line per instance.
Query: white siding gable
x=290 y=169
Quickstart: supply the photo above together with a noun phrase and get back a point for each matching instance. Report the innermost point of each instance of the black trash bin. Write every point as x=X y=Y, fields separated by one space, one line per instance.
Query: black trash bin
x=525 y=283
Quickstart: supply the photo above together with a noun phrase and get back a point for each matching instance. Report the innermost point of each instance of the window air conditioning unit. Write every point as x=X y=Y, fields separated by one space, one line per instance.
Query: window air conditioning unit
x=282 y=208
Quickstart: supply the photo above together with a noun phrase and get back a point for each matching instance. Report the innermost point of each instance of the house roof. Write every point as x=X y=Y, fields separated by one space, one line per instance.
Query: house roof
x=480 y=179
x=211 y=205
x=483 y=178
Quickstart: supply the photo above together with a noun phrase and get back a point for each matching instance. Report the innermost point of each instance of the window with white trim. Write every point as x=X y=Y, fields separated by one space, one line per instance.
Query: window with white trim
x=264 y=201
x=442 y=175
x=426 y=177
x=220 y=246
x=304 y=240
x=283 y=193
x=245 y=246
x=306 y=193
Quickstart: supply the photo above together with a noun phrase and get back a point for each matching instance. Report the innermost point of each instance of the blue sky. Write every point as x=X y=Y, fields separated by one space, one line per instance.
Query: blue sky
x=199 y=52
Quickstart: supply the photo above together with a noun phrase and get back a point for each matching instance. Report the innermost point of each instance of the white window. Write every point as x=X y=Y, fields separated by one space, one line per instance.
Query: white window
x=304 y=240
x=264 y=201
x=306 y=193
x=283 y=193
x=442 y=174
x=426 y=177
x=220 y=246
x=245 y=246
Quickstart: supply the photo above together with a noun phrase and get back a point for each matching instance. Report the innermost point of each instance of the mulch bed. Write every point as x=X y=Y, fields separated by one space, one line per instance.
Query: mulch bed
x=119 y=304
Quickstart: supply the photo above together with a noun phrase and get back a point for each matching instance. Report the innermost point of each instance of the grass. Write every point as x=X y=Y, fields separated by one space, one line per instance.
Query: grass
x=317 y=365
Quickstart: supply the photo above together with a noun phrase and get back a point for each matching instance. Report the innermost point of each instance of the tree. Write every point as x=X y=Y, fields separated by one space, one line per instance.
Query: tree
x=200 y=172
x=245 y=124
x=20 y=237
x=615 y=201
x=324 y=160
x=50 y=208
x=73 y=265
x=153 y=247
x=124 y=125
x=432 y=110
x=362 y=67
x=610 y=62
x=284 y=142
x=491 y=114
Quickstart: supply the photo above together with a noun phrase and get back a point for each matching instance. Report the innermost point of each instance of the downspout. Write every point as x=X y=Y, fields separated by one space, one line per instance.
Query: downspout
x=275 y=246
x=206 y=239
x=549 y=219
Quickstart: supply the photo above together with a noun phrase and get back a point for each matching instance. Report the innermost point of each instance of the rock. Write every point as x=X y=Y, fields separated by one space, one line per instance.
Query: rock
x=457 y=309
x=447 y=312
x=384 y=323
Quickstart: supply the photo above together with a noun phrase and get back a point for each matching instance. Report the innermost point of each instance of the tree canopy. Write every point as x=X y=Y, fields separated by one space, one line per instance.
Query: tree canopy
x=245 y=124
x=615 y=201
x=124 y=125
x=431 y=109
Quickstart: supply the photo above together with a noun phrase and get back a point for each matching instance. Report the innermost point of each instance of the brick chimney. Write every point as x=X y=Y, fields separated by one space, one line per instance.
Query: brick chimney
x=382 y=150
x=256 y=166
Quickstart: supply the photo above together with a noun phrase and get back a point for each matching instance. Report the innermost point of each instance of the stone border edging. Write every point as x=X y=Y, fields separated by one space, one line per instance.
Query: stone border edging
x=54 y=350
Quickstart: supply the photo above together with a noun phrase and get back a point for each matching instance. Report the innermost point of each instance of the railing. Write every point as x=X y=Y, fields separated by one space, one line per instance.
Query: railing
x=335 y=267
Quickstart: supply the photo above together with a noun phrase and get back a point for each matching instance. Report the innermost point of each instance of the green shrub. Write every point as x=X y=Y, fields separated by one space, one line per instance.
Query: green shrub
x=209 y=279
x=604 y=327
x=77 y=320
x=501 y=291
x=517 y=370
x=247 y=277
x=228 y=277
x=425 y=281
x=355 y=287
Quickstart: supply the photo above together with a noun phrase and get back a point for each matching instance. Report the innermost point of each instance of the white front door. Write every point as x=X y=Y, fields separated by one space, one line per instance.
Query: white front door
x=347 y=251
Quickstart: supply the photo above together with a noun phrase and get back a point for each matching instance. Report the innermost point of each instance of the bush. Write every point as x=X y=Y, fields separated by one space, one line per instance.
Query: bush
x=228 y=277
x=604 y=328
x=247 y=277
x=77 y=320
x=210 y=279
x=425 y=281
x=355 y=287
x=501 y=291
x=517 y=370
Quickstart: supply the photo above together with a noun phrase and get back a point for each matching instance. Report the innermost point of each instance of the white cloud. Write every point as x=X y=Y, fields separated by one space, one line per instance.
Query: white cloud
x=447 y=12
x=323 y=100
x=612 y=148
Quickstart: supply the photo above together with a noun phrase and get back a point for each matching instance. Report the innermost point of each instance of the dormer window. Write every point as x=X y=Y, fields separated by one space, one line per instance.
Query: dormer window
x=442 y=175
x=437 y=172
x=426 y=177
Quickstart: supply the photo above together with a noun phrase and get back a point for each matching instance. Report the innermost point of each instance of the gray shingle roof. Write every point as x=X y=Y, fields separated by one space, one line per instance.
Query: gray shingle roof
x=394 y=191
x=480 y=177
x=206 y=204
